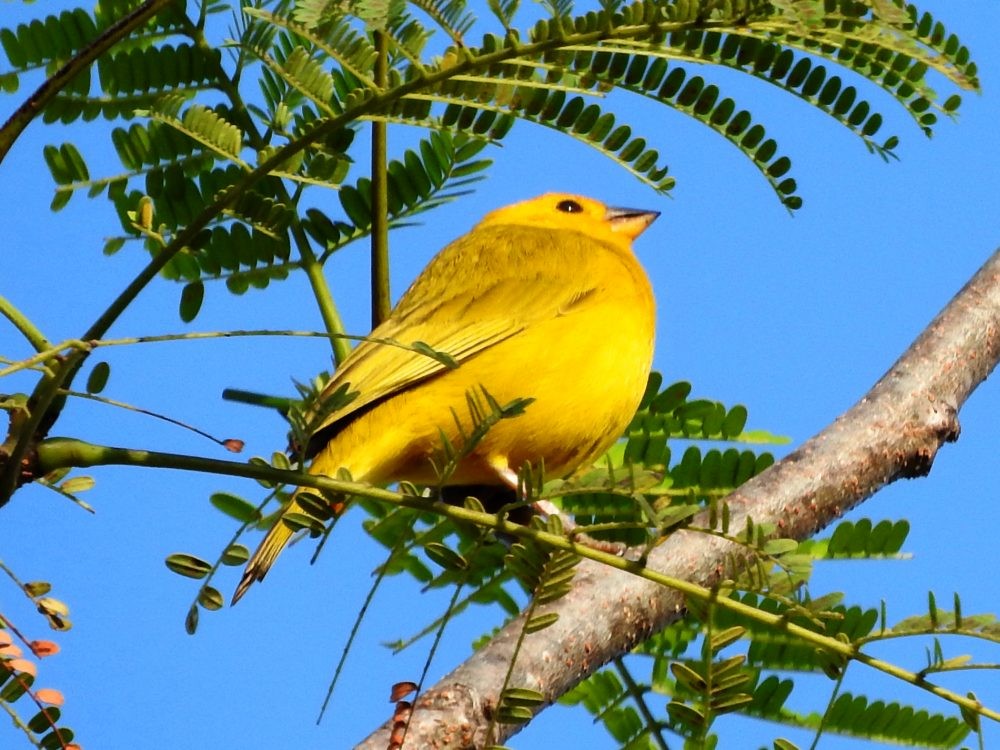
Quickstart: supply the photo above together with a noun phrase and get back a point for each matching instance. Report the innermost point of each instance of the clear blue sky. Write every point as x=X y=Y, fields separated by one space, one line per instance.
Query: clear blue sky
x=795 y=317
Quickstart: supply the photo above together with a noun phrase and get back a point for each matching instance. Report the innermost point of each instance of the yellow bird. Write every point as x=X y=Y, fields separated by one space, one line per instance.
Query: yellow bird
x=542 y=299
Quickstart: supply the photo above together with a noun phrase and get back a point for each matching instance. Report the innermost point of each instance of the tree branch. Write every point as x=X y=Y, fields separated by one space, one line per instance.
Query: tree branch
x=55 y=83
x=894 y=431
x=381 y=298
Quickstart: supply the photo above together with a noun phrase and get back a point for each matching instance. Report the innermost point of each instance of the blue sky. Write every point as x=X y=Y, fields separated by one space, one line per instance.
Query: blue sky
x=793 y=316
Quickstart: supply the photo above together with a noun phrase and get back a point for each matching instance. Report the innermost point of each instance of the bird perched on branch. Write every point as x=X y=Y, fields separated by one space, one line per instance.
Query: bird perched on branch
x=542 y=300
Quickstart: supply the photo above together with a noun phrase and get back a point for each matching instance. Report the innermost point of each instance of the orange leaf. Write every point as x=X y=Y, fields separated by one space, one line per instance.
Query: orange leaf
x=23 y=665
x=402 y=689
x=51 y=696
x=10 y=650
x=5 y=638
x=44 y=648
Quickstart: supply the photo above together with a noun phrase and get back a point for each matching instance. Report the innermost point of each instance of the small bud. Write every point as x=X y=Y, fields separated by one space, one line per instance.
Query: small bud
x=145 y=212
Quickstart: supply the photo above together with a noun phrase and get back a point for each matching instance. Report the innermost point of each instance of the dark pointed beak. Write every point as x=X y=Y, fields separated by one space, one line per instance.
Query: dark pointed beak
x=630 y=221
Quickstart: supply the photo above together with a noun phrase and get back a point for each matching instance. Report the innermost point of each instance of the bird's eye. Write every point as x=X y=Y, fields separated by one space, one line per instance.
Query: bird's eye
x=569 y=207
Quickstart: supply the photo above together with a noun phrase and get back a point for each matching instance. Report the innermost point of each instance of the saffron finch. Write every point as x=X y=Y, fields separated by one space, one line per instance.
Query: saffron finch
x=543 y=299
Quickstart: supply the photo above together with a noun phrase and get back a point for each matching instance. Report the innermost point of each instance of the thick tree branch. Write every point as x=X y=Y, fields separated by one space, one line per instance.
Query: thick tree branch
x=894 y=431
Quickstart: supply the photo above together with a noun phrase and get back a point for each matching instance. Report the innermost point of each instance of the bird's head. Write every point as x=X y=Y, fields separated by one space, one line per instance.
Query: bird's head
x=575 y=213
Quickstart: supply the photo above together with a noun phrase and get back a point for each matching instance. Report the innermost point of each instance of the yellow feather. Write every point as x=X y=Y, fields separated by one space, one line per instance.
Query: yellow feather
x=262 y=560
x=543 y=299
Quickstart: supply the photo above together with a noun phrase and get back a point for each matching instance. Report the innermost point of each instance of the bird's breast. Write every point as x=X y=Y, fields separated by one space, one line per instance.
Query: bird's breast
x=586 y=370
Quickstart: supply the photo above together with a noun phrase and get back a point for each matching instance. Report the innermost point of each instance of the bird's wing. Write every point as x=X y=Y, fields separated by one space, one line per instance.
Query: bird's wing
x=376 y=370
x=457 y=325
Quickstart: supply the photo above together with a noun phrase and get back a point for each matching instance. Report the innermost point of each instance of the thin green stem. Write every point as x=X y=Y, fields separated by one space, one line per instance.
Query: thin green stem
x=988 y=666
x=639 y=698
x=381 y=299
x=78 y=345
x=401 y=645
x=829 y=707
x=17 y=721
x=61 y=452
x=521 y=635
x=324 y=298
x=705 y=693
x=155 y=415
x=35 y=337
x=964 y=632
x=436 y=643
x=355 y=629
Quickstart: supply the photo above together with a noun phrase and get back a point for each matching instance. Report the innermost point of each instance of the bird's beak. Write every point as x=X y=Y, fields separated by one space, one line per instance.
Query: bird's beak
x=630 y=221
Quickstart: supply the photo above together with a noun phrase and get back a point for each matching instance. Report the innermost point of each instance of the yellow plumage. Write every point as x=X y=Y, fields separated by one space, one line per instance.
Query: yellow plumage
x=542 y=299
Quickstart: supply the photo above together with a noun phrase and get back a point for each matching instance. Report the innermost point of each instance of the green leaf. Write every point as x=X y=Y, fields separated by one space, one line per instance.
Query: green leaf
x=14 y=689
x=191 y=620
x=735 y=421
x=893 y=722
x=192 y=296
x=356 y=206
x=726 y=637
x=235 y=507
x=671 y=397
x=443 y=357
x=188 y=565
x=315 y=506
x=686 y=714
x=113 y=245
x=688 y=677
x=52 y=605
x=521 y=697
x=68 y=168
x=541 y=622
x=513 y=714
x=972 y=719
x=302 y=521
x=57 y=739
x=210 y=598
x=98 y=377
x=35 y=589
x=446 y=557
x=235 y=554
x=732 y=702
x=77 y=484
x=778 y=547
x=44 y=719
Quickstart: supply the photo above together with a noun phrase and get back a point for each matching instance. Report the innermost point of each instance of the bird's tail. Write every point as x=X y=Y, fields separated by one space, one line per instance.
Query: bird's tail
x=274 y=542
x=262 y=560
x=305 y=507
